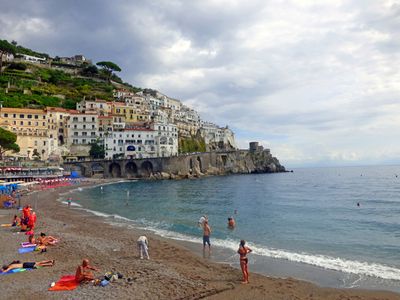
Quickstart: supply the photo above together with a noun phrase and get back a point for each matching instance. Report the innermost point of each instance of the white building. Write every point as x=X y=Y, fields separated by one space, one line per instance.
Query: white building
x=217 y=138
x=136 y=142
x=82 y=129
x=166 y=139
x=33 y=59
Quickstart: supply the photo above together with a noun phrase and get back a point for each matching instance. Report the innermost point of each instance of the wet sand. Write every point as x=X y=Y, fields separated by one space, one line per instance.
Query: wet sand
x=173 y=272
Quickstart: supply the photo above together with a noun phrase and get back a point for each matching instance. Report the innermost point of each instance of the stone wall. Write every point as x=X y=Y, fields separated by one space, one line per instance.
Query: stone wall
x=183 y=166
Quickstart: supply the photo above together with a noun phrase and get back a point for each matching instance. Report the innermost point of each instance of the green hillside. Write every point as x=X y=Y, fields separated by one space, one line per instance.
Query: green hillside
x=34 y=85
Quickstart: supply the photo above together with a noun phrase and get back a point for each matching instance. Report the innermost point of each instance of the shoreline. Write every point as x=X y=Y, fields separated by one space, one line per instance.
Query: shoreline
x=174 y=271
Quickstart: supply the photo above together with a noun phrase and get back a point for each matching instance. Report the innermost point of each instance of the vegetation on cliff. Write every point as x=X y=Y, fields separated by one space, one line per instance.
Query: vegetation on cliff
x=192 y=144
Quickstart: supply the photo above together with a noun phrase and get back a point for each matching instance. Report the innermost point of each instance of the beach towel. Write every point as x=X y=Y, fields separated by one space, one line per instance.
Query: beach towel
x=27 y=244
x=26 y=249
x=6 y=225
x=66 y=283
x=15 y=271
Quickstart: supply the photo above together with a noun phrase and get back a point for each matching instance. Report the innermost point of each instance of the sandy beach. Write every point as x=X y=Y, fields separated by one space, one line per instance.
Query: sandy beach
x=173 y=272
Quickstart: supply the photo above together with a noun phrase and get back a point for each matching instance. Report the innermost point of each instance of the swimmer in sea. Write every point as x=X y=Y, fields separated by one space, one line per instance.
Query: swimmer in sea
x=231 y=223
x=243 y=251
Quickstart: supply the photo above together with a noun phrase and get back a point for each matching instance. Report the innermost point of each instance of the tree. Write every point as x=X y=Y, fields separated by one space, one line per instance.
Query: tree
x=90 y=71
x=109 y=67
x=96 y=150
x=7 y=142
x=5 y=48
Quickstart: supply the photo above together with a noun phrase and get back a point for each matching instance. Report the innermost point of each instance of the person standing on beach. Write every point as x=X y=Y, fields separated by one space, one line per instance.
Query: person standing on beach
x=69 y=201
x=143 y=247
x=206 y=235
x=243 y=251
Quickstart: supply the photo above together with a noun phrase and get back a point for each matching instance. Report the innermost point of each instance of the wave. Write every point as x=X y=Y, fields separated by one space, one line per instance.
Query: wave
x=72 y=203
x=322 y=261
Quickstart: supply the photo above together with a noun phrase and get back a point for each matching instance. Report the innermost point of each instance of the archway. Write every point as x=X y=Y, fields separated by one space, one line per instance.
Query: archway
x=131 y=169
x=97 y=170
x=199 y=163
x=115 y=170
x=147 y=168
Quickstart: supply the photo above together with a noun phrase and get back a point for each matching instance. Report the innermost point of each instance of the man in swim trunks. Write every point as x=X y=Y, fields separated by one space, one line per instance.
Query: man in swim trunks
x=206 y=235
x=27 y=265
x=83 y=273
x=243 y=251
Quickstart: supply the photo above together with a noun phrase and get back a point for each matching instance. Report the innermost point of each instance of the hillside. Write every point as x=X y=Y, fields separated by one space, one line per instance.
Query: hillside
x=54 y=83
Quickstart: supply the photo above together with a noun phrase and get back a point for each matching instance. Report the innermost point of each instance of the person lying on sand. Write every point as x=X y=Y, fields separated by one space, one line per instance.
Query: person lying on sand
x=83 y=273
x=39 y=246
x=27 y=265
x=44 y=240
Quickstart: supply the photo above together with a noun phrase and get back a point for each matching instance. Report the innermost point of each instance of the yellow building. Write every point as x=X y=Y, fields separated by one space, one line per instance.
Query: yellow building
x=31 y=128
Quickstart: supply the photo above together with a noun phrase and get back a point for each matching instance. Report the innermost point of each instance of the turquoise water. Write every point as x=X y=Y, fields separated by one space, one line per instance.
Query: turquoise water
x=307 y=219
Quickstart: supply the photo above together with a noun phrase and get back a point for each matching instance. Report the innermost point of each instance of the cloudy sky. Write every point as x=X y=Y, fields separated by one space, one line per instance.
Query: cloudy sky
x=317 y=82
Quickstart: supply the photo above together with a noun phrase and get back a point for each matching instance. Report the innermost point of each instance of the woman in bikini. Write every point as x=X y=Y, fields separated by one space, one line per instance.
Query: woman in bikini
x=243 y=250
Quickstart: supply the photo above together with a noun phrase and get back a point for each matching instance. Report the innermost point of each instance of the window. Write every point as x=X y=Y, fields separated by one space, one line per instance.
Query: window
x=92 y=126
x=35 y=143
x=75 y=126
x=93 y=119
x=5 y=115
x=75 y=133
x=84 y=126
x=93 y=134
x=84 y=133
x=22 y=122
x=84 y=119
x=83 y=141
x=15 y=122
x=22 y=116
x=75 y=119
x=29 y=123
x=44 y=117
x=14 y=115
x=36 y=117
x=36 y=124
x=44 y=123
x=44 y=143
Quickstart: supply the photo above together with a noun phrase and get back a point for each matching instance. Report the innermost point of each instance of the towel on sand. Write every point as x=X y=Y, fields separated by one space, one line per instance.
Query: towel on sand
x=27 y=245
x=26 y=249
x=15 y=271
x=66 y=283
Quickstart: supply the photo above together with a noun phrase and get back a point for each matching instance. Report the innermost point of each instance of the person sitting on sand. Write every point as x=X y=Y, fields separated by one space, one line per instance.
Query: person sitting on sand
x=16 y=221
x=231 y=223
x=46 y=240
x=243 y=251
x=83 y=273
x=27 y=265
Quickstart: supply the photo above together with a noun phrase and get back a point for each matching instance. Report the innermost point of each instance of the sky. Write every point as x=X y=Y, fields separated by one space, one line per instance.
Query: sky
x=317 y=82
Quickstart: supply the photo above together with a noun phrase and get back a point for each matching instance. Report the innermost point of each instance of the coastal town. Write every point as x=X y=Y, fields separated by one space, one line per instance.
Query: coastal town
x=131 y=124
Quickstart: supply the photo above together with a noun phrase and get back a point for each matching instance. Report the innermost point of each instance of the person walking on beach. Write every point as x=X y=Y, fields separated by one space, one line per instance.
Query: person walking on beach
x=243 y=251
x=206 y=235
x=69 y=201
x=143 y=247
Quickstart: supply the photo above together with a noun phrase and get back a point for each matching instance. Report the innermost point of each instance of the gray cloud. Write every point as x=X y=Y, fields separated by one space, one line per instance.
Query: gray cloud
x=315 y=81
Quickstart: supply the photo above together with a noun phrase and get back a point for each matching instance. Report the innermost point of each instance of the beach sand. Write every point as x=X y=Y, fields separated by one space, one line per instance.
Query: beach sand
x=173 y=272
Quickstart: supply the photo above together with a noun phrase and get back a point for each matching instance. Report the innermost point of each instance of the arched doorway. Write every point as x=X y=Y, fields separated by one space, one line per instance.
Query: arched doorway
x=115 y=170
x=97 y=170
x=131 y=170
x=146 y=168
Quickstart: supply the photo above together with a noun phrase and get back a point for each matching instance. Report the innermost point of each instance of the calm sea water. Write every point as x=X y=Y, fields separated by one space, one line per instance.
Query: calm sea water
x=304 y=224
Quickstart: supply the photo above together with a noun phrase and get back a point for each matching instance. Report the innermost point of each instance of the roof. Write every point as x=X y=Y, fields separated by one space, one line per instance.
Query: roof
x=23 y=110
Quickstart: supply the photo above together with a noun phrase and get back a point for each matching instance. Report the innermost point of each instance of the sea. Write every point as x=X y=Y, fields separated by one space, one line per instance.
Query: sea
x=336 y=227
